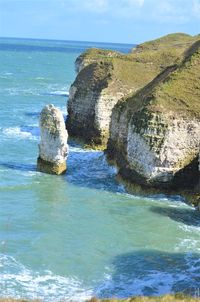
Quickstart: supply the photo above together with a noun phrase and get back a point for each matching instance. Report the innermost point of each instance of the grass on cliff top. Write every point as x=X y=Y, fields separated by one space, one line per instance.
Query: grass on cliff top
x=166 y=298
x=138 y=68
x=180 y=92
x=175 y=40
x=175 y=91
x=166 y=46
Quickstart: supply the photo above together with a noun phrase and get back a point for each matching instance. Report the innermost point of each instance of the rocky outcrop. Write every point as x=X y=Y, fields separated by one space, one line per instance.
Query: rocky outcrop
x=53 y=147
x=94 y=55
x=105 y=77
x=155 y=134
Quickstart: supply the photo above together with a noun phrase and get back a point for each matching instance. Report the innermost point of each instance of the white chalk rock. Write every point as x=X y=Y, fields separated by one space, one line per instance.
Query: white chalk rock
x=53 y=148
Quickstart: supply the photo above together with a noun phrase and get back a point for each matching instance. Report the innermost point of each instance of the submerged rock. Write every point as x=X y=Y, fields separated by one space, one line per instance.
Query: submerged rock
x=53 y=147
x=155 y=134
x=105 y=76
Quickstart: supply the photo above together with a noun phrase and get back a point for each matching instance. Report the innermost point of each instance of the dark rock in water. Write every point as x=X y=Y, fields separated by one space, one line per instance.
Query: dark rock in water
x=51 y=167
x=53 y=148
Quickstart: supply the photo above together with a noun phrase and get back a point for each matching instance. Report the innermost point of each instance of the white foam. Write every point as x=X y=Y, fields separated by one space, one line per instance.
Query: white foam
x=160 y=283
x=40 y=78
x=189 y=228
x=17 y=91
x=16 y=132
x=18 y=281
x=8 y=73
x=59 y=93
x=5 y=75
x=188 y=244
x=57 y=90
x=81 y=150
x=154 y=281
x=53 y=90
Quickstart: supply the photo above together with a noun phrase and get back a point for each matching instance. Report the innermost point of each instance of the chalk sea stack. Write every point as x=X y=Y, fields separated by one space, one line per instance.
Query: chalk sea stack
x=53 y=148
x=105 y=77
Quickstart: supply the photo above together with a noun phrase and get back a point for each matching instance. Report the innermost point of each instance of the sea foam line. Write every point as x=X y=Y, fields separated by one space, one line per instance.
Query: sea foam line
x=20 y=282
x=19 y=133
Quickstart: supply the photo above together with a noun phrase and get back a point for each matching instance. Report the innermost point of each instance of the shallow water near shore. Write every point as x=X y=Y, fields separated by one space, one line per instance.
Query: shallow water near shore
x=79 y=234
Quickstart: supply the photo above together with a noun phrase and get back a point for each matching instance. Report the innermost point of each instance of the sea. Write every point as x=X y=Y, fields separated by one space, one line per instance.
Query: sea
x=79 y=235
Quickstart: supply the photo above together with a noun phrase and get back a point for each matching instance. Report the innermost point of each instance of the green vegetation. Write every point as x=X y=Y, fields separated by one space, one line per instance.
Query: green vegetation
x=175 y=40
x=181 y=91
x=175 y=91
x=161 y=111
x=167 y=298
x=124 y=82
x=146 y=61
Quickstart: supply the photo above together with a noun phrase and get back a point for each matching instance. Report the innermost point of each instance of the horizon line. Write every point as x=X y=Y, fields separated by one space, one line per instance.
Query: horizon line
x=62 y=40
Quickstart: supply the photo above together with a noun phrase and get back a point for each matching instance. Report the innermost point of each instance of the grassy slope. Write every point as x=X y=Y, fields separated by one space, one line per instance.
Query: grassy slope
x=145 y=62
x=178 y=92
x=170 y=40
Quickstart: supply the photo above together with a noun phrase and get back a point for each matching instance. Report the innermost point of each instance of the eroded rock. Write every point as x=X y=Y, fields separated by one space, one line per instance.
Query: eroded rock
x=105 y=77
x=53 y=148
x=155 y=134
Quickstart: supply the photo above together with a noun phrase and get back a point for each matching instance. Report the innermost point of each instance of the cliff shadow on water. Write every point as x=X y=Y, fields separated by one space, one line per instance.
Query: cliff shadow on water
x=152 y=273
x=89 y=168
x=85 y=168
x=187 y=216
x=19 y=166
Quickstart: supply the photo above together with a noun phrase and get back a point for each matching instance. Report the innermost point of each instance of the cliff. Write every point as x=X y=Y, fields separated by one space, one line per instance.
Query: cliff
x=155 y=133
x=105 y=77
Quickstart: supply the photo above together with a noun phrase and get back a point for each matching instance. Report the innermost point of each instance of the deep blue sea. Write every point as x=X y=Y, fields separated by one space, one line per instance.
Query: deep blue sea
x=80 y=234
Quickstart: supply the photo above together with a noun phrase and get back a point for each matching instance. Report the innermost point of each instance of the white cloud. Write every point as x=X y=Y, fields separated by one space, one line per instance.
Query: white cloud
x=112 y=6
x=157 y=11
x=96 y=5
x=196 y=7
x=168 y=12
x=135 y=2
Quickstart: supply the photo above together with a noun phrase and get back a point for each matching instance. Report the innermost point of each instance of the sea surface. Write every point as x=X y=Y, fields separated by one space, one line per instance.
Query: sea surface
x=81 y=234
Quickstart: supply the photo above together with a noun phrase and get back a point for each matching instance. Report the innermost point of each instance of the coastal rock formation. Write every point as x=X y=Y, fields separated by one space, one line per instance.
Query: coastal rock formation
x=155 y=134
x=93 y=55
x=105 y=77
x=53 y=147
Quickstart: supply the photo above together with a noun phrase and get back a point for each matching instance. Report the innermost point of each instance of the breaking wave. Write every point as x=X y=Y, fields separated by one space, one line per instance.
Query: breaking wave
x=20 y=282
x=24 y=132
x=59 y=93
x=48 y=90
x=169 y=275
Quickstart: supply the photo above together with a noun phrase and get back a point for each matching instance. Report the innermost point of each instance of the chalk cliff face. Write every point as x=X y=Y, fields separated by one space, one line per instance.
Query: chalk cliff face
x=155 y=134
x=87 y=100
x=53 y=147
x=105 y=77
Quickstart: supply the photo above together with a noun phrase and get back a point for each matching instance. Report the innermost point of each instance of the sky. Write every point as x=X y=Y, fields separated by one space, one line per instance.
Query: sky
x=123 y=21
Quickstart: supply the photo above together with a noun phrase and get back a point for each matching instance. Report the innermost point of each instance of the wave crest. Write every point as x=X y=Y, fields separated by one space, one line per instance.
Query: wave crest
x=29 y=132
x=20 y=282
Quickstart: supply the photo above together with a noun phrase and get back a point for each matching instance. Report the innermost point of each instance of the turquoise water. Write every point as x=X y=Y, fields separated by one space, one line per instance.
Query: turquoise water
x=81 y=234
